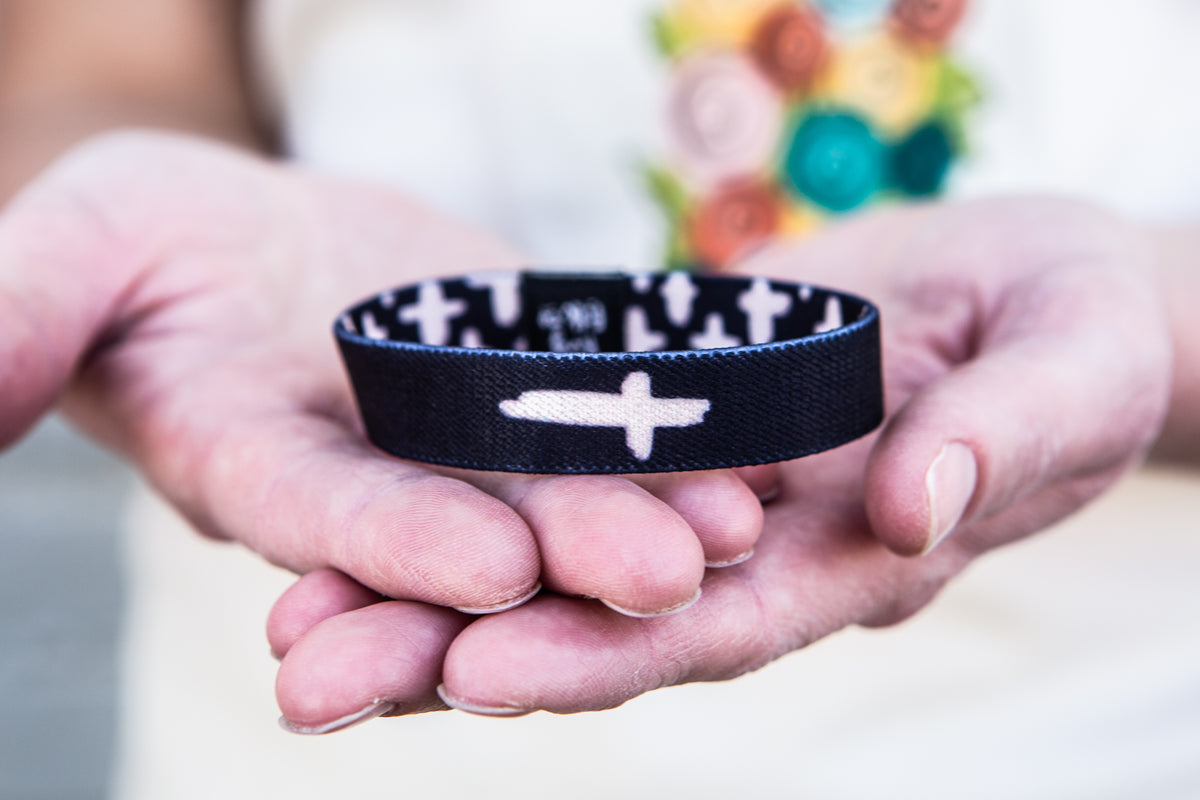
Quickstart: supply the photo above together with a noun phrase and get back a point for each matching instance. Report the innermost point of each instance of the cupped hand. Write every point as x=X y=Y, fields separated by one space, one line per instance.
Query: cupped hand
x=177 y=298
x=1027 y=365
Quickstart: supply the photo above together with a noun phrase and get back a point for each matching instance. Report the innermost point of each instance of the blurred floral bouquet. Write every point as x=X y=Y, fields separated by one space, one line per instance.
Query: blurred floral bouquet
x=783 y=113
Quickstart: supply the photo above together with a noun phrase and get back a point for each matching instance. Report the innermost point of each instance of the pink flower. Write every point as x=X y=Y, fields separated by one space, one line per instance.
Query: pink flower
x=725 y=118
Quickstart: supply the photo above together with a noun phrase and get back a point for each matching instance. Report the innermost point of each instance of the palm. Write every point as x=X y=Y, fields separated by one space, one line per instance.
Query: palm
x=817 y=568
x=200 y=285
x=997 y=319
x=177 y=298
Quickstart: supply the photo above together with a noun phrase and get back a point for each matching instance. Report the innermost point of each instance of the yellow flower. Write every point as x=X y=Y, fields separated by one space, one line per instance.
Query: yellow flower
x=892 y=84
x=799 y=220
x=717 y=23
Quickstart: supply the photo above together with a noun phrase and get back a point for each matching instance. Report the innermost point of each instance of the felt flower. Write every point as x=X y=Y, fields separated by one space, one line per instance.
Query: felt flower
x=710 y=24
x=799 y=219
x=919 y=163
x=725 y=118
x=790 y=47
x=834 y=161
x=886 y=80
x=929 y=21
x=784 y=113
x=736 y=219
x=853 y=14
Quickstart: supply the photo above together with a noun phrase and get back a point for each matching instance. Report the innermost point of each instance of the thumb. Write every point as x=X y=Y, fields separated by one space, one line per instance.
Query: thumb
x=1067 y=388
x=61 y=272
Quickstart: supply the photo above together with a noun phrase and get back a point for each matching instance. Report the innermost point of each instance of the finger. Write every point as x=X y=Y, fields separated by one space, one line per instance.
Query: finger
x=314 y=598
x=721 y=509
x=612 y=538
x=326 y=593
x=1068 y=382
x=763 y=480
x=228 y=421
x=60 y=272
x=606 y=537
x=384 y=659
x=307 y=493
x=816 y=571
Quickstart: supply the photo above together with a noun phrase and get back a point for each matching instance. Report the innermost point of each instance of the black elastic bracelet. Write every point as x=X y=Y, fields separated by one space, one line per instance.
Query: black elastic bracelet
x=609 y=373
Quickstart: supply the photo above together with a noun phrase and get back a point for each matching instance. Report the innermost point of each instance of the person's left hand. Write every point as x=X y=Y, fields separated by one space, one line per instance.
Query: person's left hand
x=175 y=298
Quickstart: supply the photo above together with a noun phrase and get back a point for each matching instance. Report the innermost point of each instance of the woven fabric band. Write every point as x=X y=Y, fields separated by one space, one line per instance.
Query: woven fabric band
x=610 y=373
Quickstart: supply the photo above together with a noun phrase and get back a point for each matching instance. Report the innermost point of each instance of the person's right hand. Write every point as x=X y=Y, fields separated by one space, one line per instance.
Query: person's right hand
x=1027 y=363
x=177 y=298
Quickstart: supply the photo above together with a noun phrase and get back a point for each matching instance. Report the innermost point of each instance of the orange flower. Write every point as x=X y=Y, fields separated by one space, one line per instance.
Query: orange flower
x=733 y=221
x=790 y=46
x=929 y=21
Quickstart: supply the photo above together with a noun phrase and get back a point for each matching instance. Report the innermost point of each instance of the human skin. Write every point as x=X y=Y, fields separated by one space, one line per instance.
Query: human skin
x=175 y=299
x=1027 y=347
x=238 y=410
x=139 y=266
x=69 y=70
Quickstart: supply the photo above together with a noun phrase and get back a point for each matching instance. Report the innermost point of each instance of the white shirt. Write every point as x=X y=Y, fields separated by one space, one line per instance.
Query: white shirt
x=531 y=117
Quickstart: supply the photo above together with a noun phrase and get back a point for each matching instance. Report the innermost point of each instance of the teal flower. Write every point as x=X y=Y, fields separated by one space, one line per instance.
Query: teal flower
x=920 y=162
x=835 y=161
x=852 y=14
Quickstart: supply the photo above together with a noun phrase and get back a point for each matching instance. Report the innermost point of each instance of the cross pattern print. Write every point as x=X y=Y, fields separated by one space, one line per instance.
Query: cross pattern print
x=583 y=372
x=432 y=313
x=653 y=312
x=635 y=409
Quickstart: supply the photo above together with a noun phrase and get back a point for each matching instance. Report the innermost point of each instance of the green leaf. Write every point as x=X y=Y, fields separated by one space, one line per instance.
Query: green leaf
x=667 y=38
x=958 y=93
x=679 y=256
x=957 y=89
x=667 y=189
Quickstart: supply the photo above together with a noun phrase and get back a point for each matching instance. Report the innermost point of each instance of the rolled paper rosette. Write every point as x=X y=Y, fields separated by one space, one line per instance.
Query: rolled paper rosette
x=790 y=47
x=930 y=21
x=834 y=161
x=919 y=163
x=853 y=14
x=801 y=110
x=735 y=220
x=882 y=79
x=708 y=24
x=725 y=117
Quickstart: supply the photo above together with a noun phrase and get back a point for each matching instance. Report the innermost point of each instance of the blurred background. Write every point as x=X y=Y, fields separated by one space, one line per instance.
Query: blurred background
x=1071 y=657
x=60 y=602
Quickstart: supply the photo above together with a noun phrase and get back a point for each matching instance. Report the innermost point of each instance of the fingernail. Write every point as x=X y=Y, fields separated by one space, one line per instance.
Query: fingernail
x=357 y=718
x=675 y=609
x=949 y=486
x=477 y=708
x=504 y=606
x=746 y=556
